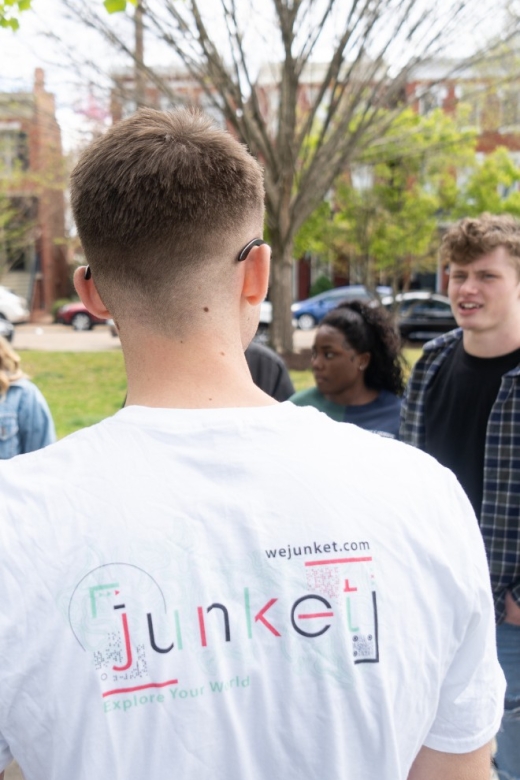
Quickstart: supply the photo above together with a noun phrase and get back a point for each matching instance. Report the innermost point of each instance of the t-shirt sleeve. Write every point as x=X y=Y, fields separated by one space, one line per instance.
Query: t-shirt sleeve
x=471 y=700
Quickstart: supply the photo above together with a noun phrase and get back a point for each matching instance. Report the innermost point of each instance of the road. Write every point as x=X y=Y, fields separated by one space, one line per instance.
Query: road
x=62 y=338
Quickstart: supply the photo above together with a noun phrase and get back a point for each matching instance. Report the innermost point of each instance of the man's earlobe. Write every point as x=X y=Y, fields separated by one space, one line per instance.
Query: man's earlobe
x=88 y=294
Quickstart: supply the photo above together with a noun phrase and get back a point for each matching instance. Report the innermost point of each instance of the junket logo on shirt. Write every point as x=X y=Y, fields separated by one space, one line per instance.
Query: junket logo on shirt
x=120 y=614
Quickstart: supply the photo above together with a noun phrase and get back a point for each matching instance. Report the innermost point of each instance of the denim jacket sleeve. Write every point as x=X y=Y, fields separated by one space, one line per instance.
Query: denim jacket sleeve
x=25 y=420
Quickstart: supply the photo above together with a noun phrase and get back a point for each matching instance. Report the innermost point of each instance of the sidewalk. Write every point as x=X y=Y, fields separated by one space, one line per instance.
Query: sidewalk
x=62 y=338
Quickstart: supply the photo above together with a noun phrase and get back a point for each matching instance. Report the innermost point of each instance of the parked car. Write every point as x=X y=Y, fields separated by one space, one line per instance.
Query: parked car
x=112 y=328
x=421 y=315
x=266 y=317
x=6 y=329
x=310 y=312
x=76 y=314
x=13 y=307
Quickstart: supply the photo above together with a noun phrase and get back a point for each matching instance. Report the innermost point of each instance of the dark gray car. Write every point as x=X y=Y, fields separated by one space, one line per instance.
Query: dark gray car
x=421 y=315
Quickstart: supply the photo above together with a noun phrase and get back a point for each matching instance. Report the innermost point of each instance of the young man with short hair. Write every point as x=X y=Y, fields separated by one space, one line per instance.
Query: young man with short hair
x=210 y=584
x=463 y=407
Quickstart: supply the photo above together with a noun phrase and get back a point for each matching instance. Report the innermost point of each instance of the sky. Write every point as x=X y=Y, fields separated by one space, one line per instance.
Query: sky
x=30 y=47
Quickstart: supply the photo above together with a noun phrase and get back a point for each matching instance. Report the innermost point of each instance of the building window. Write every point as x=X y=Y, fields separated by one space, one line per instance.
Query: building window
x=362 y=177
x=510 y=110
x=128 y=107
x=433 y=97
x=18 y=233
x=471 y=110
x=14 y=152
x=207 y=105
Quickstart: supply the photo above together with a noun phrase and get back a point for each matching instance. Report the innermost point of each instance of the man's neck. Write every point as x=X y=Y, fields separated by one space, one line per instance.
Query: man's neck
x=491 y=344
x=203 y=371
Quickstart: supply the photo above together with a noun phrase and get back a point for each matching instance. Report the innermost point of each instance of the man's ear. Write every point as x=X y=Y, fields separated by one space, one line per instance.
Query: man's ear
x=256 y=274
x=89 y=295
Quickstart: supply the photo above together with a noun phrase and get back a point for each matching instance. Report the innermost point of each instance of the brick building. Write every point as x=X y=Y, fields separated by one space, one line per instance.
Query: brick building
x=492 y=99
x=178 y=88
x=32 y=183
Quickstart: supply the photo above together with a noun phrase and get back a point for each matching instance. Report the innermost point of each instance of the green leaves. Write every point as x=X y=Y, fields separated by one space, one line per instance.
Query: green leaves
x=116 y=6
x=492 y=185
x=384 y=216
x=9 y=10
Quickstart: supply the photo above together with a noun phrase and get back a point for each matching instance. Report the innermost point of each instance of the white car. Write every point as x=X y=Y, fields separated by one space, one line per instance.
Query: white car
x=12 y=307
x=266 y=313
x=266 y=317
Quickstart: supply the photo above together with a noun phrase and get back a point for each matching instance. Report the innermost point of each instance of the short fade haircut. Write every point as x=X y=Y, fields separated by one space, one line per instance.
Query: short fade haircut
x=160 y=196
x=471 y=238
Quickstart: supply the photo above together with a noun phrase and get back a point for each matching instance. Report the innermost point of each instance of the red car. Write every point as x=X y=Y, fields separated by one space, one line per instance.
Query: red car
x=75 y=314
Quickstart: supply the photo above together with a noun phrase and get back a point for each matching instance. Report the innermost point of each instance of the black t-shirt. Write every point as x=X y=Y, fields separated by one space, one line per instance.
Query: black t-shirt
x=269 y=371
x=457 y=408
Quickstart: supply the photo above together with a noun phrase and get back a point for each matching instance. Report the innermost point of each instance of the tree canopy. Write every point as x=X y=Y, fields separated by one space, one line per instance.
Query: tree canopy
x=491 y=184
x=10 y=11
x=384 y=216
x=308 y=85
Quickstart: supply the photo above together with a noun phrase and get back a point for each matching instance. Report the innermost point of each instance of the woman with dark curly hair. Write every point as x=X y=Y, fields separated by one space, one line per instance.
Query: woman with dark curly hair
x=357 y=366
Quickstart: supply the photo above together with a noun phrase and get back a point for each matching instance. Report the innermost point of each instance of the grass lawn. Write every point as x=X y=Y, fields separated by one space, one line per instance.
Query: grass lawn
x=83 y=388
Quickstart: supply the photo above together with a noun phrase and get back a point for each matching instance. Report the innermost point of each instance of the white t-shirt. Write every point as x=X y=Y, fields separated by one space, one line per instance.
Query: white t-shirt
x=239 y=594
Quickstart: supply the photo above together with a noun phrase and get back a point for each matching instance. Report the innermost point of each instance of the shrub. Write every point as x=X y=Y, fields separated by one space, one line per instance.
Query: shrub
x=322 y=284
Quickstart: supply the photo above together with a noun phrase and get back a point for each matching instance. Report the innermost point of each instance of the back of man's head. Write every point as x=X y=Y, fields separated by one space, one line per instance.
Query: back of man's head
x=473 y=237
x=163 y=203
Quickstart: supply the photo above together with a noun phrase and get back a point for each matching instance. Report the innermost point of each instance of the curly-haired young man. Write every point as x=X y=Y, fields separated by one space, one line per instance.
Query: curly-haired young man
x=463 y=407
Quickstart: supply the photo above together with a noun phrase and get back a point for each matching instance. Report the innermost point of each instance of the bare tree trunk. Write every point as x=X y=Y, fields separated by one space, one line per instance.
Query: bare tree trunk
x=281 y=294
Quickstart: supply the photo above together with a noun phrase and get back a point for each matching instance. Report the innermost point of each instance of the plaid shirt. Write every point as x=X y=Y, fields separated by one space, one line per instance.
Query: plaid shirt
x=500 y=514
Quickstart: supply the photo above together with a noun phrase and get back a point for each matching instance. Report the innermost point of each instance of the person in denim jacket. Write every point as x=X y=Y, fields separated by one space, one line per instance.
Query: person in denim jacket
x=25 y=420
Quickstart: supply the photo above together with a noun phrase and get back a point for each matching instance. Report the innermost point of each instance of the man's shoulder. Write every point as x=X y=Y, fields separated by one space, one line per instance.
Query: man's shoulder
x=75 y=451
x=373 y=452
x=433 y=356
x=443 y=343
x=23 y=387
x=94 y=452
x=389 y=400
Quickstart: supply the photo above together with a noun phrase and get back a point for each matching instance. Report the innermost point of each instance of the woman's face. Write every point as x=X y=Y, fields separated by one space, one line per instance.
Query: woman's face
x=335 y=364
